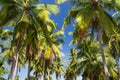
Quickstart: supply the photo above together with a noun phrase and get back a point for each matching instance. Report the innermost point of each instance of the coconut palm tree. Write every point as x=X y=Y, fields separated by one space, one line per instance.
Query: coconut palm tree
x=7 y=52
x=25 y=13
x=91 y=15
x=50 y=52
x=88 y=62
x=91 y=61
x=44 y=45
x=114 y=42
x=71 y=71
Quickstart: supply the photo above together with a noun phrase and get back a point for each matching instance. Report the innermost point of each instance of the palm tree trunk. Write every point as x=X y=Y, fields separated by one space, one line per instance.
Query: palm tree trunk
x=48 y=75
x=14 y=66
x=29 y=64
x=44 y=71
x=117 y=62
x=36 y=75
x=103 y=56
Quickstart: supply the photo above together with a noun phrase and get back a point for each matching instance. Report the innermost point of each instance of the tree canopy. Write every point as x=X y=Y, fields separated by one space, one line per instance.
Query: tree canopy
x=30 y=38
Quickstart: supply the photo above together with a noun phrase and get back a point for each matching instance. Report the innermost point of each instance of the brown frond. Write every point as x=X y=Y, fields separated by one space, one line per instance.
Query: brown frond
x=29 y=52
x=51 y=58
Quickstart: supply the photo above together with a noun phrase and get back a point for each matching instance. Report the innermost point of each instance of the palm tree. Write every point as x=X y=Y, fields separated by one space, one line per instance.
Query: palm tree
x=88 y=62
x=71 y=71
x=46 y=54
x=5 y=37
x=91 y=14
x=44 y=45
x=50 y=52
x=24 y=13
x=114 y=42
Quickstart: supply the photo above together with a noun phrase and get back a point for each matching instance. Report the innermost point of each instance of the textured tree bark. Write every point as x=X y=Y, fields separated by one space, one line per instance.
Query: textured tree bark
x=29 y=64
x=103 y=56
x=44 y=71
x=14 y=66
x=117 y=62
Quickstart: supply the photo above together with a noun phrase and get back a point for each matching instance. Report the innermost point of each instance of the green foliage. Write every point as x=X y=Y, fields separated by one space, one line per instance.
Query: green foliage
x=86 y=60
x=3 y=70
x=107 y=24
x=33 y=31
x=37 y=39
x=50 y=7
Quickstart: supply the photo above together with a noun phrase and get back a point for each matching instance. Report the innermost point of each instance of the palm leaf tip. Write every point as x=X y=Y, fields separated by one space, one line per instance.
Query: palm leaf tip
x=60 y=1
x=53 y=8
x=57 y=51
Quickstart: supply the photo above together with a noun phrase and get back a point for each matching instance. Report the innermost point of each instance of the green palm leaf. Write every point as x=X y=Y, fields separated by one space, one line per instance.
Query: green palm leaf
x=105 y=21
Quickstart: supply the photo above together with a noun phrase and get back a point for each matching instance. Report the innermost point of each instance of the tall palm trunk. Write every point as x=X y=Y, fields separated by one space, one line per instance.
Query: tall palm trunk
x=13 y=71
x=117 y=62
x=44 y=70
x=36 y=75
x=14 y=66
x=29 y=64
x=103 y=56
